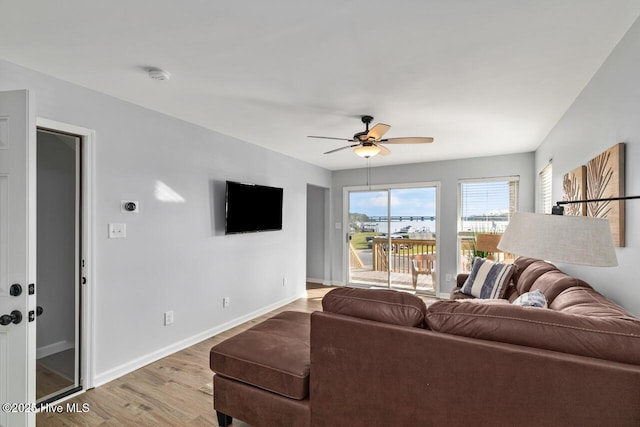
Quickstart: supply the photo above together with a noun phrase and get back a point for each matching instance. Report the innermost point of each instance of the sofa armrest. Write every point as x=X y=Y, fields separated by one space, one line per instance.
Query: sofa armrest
x=381 y=305
x=367 y=373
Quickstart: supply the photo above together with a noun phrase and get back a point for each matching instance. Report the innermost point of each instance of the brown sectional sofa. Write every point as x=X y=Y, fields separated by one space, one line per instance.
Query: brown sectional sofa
x=384 y=358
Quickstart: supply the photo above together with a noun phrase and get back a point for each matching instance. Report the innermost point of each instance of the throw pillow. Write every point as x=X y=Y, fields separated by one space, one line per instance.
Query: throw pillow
x=532 y=299
x=488 y=279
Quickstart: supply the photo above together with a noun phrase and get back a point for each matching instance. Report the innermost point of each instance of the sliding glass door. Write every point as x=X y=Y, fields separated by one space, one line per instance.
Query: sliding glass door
x=392 y=236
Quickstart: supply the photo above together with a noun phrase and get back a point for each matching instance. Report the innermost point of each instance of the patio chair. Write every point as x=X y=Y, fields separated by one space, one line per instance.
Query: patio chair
x=422 y=264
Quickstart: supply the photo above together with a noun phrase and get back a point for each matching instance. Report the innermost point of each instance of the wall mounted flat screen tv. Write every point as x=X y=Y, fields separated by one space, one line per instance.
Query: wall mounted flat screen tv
x=251 y=208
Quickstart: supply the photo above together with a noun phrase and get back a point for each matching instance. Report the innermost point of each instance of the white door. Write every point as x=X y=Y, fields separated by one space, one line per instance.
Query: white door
x=17 y=258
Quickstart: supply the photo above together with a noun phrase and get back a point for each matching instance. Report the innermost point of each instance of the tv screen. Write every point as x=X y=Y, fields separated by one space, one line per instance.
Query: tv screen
x=251 y=208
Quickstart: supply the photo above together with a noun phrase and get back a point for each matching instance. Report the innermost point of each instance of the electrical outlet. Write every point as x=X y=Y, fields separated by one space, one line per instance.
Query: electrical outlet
x=226 y=301
x=168 y=318
x=284 y=281
x=449 y=277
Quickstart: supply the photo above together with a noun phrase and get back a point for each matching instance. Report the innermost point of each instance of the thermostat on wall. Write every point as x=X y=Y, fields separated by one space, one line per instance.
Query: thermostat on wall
x=129 y=206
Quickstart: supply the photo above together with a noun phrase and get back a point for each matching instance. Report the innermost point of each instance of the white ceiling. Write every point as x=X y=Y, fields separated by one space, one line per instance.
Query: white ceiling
x=482 y=77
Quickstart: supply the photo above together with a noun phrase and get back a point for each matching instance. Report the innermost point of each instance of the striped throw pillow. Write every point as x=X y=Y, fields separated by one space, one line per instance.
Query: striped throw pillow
x=532 y=299
x=488 y=279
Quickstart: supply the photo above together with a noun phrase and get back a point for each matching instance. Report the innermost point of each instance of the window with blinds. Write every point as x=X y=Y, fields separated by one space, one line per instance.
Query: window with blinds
x=487 y=205
x=484 y=206
x=545 y=202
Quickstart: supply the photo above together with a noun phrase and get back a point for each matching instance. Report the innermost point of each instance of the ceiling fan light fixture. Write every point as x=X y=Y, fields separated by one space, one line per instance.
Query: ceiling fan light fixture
x=366 y=151
x=368 y=143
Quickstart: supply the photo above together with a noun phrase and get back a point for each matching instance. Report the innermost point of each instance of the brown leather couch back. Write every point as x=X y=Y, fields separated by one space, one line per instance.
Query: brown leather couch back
x=373 y=374
x=588 y=302
x=578 y=320
x=551 y=282
x=609 y=337
x=388 y=306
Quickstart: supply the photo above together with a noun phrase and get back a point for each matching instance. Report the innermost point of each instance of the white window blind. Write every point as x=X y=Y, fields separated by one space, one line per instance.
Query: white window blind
x=487 y=205
x=544 y=193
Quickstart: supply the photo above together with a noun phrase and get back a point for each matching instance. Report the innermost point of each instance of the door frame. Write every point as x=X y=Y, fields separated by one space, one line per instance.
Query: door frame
x=385 y=187
x=87 y=233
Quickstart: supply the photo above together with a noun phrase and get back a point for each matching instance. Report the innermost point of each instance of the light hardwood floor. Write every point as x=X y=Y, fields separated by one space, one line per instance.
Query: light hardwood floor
x=166 y=392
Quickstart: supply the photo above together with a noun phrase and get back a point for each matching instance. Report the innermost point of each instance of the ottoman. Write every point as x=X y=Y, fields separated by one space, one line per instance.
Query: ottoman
x=262 y=374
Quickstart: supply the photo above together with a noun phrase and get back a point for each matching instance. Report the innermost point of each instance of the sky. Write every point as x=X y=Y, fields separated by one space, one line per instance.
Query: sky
x=404 y=202
x=480 y=198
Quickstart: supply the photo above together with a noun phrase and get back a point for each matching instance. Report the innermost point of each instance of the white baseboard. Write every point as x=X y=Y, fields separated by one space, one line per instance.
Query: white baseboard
x=56 y=347
x=125 y=368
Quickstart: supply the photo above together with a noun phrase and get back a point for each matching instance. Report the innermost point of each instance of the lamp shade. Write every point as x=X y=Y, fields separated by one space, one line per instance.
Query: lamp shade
x=565 y=239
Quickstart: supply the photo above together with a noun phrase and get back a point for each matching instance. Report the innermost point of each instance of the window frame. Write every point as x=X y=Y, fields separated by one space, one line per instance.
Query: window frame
x=514 y=200
x=545 y=189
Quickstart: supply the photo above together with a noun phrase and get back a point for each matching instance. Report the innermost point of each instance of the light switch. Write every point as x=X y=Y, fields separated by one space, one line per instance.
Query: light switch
x=117 y=231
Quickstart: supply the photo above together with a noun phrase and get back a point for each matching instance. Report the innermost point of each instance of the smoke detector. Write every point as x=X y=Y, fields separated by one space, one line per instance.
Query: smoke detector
x=158 y=74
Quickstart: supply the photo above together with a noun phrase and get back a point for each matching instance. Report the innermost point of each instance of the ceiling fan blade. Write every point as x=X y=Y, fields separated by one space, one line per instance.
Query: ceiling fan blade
x=377 y=131
x=408 y=140
x=330 y=137
x=384 y=151
x=341 y=148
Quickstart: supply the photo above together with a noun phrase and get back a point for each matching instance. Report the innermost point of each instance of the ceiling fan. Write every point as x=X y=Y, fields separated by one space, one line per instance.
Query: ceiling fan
x=368 y=143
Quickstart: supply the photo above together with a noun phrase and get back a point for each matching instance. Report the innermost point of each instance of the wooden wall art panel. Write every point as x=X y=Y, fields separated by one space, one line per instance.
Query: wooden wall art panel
x=605 y=178
x=574 y=185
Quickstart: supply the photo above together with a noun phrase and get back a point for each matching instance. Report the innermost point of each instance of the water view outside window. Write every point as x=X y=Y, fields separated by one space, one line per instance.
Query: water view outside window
x=485 y=206
x=388 y=229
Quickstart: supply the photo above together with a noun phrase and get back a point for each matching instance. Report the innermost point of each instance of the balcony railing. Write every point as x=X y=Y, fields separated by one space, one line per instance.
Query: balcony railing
x=402 y=251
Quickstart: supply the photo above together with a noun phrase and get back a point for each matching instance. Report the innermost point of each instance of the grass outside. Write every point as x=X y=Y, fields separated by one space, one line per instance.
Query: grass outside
x=359 y=240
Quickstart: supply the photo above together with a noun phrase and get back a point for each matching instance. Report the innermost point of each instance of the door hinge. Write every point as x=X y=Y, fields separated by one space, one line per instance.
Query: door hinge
x=32 y=288
x=32 y=316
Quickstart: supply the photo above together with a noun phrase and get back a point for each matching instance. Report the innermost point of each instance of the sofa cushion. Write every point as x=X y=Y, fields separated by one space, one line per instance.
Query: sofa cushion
x=554 y=282
x=588 y=302
x=273 y=355
x=487 y=279
x=610 y=338
x=530 y=273
x=487 y=301
x=457 y=295
x=381 y=305
x=522 y=263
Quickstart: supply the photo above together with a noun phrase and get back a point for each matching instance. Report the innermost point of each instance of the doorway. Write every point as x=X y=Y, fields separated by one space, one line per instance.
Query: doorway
x=318 y=244
x=392 y=238
x=59 y=264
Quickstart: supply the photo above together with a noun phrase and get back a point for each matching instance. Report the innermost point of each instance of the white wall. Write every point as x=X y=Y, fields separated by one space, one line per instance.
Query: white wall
x=176 y=256
x=605 y=113
x=447 y=173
